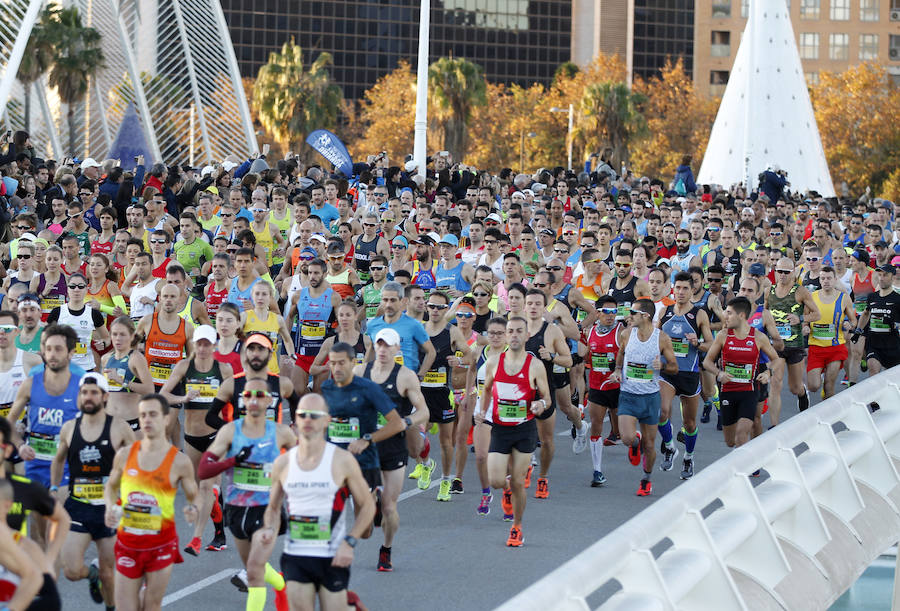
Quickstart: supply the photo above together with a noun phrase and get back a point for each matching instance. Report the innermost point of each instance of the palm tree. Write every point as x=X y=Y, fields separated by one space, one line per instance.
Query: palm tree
x=78 y=58
x=292 y=101
x=609 y=115
x=456 y=86
x=38 y=57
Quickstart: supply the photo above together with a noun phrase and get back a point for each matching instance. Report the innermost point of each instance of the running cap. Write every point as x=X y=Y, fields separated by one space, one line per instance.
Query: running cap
x=94 y=378
x=258 y=338
x=205 y=332
x=388 y=336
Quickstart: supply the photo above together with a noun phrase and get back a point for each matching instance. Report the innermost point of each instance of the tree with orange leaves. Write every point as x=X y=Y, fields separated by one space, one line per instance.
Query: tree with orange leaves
x=858 y=114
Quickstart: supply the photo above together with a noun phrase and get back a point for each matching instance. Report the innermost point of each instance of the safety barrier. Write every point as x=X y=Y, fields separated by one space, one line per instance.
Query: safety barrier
x=824 y=508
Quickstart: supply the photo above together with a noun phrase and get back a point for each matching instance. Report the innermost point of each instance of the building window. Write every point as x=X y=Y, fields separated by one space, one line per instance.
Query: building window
x=868 y=10
x=894 y=51
x=809 y=45
x=809 y=9
x=839 y=47
x=840 y=10
x=812 y=78
x=868 y=46
x=718 y=79
x=720 y=44
x=745 y=9
x=721 y=8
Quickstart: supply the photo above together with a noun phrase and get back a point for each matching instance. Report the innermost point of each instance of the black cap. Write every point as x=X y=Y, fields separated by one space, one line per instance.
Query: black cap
x=888 y=269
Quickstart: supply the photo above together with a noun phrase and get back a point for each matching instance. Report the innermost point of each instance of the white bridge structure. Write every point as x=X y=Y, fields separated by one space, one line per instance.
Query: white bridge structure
x=170 y=62
x=796 y=538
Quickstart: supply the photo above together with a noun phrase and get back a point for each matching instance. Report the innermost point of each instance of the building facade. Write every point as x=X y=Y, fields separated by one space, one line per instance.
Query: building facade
x=514 y=41
x=831 y=35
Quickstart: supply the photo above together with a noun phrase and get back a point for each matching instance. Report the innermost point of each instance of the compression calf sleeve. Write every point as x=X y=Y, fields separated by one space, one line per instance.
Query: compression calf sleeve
x=256 y=598
x=690 y=442
x=273 y=577
x=665 y=431
x=597 y=452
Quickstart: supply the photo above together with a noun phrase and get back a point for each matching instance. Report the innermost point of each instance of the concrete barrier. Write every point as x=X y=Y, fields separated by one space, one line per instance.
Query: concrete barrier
x=796 y=538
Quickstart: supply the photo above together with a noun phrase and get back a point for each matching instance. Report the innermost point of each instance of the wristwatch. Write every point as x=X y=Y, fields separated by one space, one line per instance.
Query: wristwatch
x=351 y=541
x=408 y=421
x=367 y=437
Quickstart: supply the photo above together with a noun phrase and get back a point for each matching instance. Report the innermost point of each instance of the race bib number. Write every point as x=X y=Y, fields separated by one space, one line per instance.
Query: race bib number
x=740 y=373
x=580 y=315
x=343 y=430
x=559 y=369
x=80 y=349
x=207 y=392
x=381 y=421
x=398 y=359
x=254 y=477
x=44 y=446
x=141 y=519
x=48 y=303
x=88 y=489
x=825 y=332
x=638 y=371
x=624 y=308
x=601 y=363
x=859 y=306
x=434 y=379
x=680 y=347
x=160 y=373
x=877 y=324
x=371 y=310
x=312 y=330
x=784 y=331
x=311 y=530
x=512 y=411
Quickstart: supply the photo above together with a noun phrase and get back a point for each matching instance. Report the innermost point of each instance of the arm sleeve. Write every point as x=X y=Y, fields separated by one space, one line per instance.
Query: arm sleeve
x=99 y=319
x=209 y=466
x=53 y=316
x=213 y=418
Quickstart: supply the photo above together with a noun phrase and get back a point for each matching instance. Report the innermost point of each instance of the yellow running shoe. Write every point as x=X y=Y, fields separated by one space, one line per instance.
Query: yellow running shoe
x=417 y=472
x=444 y=490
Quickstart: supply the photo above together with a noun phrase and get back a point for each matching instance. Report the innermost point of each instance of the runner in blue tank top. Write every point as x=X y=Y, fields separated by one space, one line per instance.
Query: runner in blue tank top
x=50 y=398
x=245 y=450
x=688 y=327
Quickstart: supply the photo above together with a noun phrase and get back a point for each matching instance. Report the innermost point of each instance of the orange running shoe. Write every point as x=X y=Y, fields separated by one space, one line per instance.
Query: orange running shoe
x=528 y=476
x=543 y=489
x=515 y=537
x=646 y=488
x=634 y=452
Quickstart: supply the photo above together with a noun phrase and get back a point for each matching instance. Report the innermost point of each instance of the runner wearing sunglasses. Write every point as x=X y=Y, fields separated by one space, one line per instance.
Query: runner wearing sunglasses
x=245 y=450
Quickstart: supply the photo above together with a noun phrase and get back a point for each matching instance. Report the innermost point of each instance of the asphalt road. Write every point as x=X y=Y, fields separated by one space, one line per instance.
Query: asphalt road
x=447 y=557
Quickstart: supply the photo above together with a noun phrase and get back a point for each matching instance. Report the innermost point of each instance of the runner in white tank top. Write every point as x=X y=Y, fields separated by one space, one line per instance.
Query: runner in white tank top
x=645 y=353
x=317 y=478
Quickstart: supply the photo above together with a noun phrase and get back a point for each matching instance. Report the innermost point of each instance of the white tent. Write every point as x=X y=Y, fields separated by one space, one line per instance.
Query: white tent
x=765 y=117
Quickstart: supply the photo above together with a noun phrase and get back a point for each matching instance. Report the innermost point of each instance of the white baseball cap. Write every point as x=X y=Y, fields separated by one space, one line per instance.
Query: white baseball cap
x=205 y=332
x=229 y=165
x=90 y=162
x=93 y=377
x=388 y=336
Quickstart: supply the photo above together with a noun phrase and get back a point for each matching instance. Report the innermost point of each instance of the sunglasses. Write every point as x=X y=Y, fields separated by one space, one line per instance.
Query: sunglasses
x=776 y=234
x=307 y=258
x=254 y=210
x=23 y=256
x=437 y=306
x=593 y=260
x=623 y=264
x=714 y=229
x=226 y=215
x=554 y=268
x=465 y=314
x=813 y=259
x=370 y=224
x=376 y=268
x=783 y=271
x=8 y=328
x=311 y=415
x=397 y=246
x=496 y=333
x=157 y=241
x=636 y=312
x=609 y=310
x=481 y=294
x=77 y=287
x=255 y=394
x=539 y=285
x=569 y=233
x=377 y=194
x=491 y=223
x=336 y=257
x=23 y=227
x=75 y=216
x=714 y=279
x=561 y=251
x=387 y=220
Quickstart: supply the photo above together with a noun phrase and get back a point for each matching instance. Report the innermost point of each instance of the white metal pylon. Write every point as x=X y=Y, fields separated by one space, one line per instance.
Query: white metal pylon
x=171 y=59
x=765 y=117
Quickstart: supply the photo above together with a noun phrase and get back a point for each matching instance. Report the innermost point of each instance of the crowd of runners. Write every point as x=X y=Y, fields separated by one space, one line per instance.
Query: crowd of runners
x=284 y=348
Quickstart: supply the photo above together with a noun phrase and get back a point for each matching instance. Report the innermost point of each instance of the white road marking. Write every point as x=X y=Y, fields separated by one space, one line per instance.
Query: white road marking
x=417 y=490
x=196 y=587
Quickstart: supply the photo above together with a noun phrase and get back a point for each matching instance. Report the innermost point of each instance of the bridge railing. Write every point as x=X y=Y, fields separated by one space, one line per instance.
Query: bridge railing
x=824 y=508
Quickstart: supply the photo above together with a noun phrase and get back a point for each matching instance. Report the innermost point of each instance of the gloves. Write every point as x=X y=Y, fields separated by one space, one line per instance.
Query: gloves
x=244 y=454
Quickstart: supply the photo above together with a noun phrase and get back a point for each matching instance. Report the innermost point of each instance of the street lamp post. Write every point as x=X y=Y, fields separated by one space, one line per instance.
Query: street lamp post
x=522 y=135
x=421 y=123
x=569 y=142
